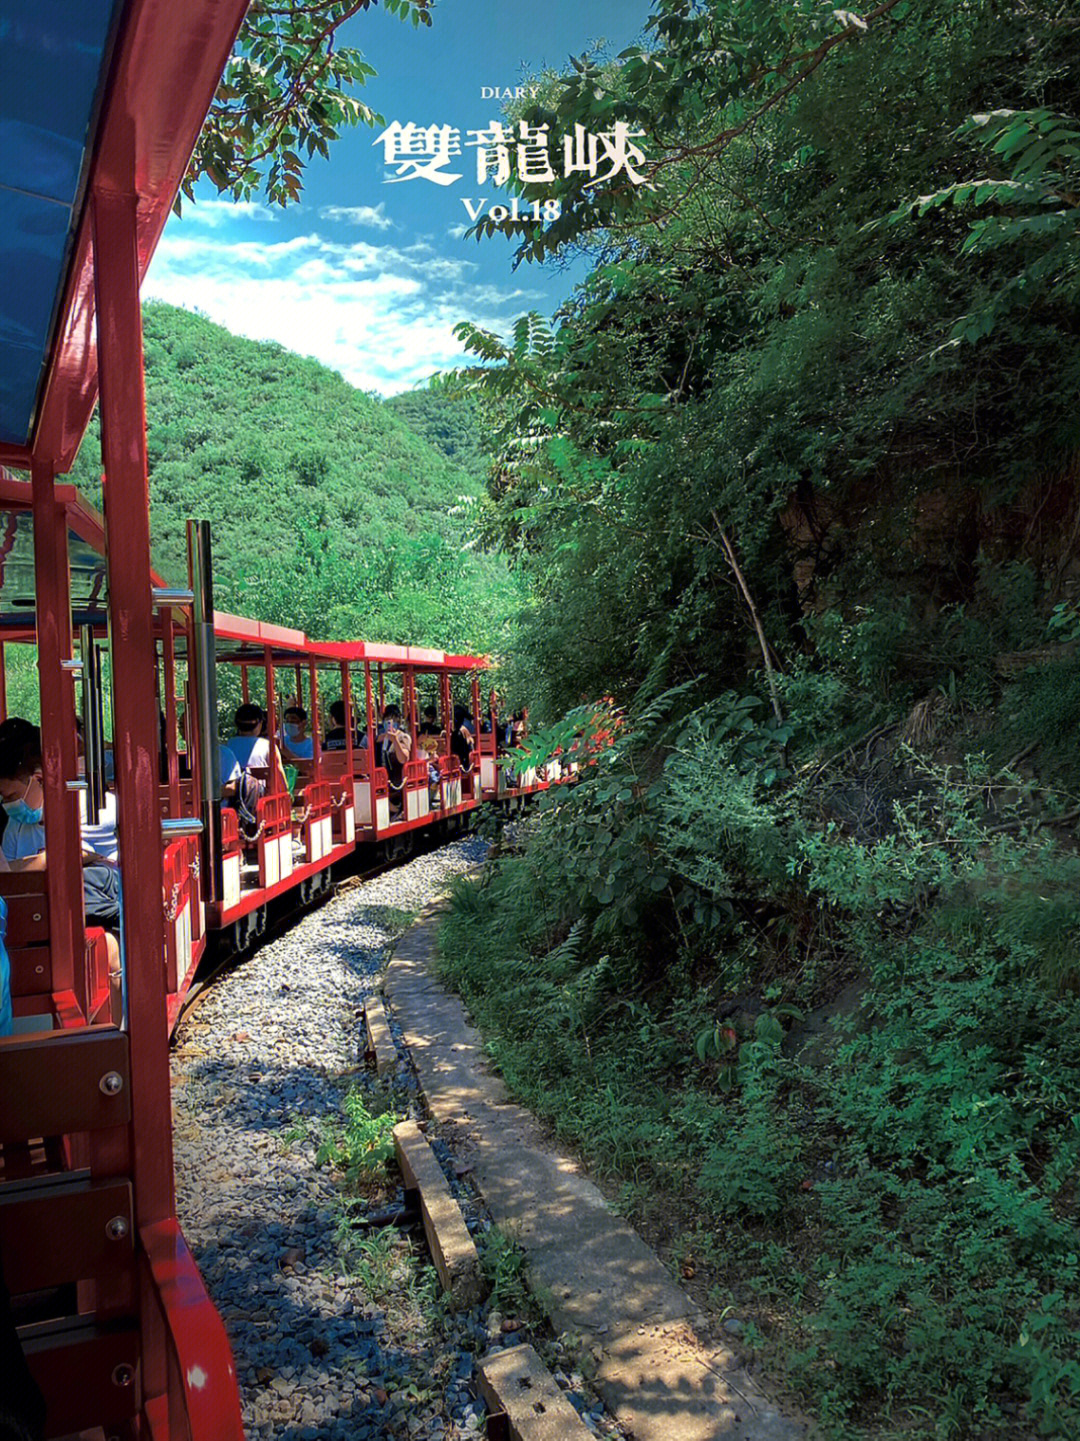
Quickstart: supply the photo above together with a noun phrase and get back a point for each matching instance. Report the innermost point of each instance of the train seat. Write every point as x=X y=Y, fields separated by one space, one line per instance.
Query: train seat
x=39 y=1001
x=371 y=798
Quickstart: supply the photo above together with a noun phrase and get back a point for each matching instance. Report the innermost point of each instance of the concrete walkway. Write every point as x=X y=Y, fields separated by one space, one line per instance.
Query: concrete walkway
x=593 y=1273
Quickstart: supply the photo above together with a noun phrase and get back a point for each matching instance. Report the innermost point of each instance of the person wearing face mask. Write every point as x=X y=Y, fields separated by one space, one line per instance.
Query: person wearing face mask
x=23 y=846
x=294 y=734
x=394 y=747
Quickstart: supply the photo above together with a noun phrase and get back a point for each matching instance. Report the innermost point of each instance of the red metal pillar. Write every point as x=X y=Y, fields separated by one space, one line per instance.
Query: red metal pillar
x=346 y=698
x=135 y=722
x=52 y=580
x=245 y=687
x=446 y=705
x=370 y=724
x=408 y=689
x=382 y=692
x=313 y=700
x=191 y=716
x=271 y=720
x=168 y=645
x=478 y=767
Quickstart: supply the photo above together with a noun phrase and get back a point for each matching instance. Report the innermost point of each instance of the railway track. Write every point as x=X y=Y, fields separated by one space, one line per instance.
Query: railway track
x=223 y=957
x=336 y=1329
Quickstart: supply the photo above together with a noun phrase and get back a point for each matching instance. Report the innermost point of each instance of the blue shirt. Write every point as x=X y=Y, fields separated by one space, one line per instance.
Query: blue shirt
x=303 y=750
x=5 y=975
x=250 y=750
x=23 y=839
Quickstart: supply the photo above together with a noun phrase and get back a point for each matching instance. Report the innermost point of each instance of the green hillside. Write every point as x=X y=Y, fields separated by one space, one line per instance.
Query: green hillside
x=329 y=511
x=453 y=427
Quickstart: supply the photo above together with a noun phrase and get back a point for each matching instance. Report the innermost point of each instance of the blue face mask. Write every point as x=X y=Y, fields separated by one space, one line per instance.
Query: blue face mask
x=22 y=814
x=25 y=815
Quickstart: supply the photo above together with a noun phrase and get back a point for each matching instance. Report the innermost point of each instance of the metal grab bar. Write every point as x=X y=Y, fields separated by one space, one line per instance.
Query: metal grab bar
x=176 y=828
x=172 y=595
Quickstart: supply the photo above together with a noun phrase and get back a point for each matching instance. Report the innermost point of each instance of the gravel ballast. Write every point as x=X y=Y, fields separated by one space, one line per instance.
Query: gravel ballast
x=333 y=1336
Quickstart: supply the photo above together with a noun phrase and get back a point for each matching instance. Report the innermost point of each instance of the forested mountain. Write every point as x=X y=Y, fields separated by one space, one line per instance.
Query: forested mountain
x=453 y=426
x=329 y=511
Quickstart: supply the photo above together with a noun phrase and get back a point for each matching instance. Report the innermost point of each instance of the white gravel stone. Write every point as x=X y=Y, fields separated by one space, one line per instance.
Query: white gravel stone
x=258 y=1068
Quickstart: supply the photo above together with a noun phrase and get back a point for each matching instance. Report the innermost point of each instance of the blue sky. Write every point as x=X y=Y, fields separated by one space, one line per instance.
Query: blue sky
x=367 y=275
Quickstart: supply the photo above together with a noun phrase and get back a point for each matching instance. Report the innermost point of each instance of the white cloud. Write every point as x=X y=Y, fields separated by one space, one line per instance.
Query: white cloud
x=371 y=215
x=219 y=212
x=457 y=232
x=381 y=315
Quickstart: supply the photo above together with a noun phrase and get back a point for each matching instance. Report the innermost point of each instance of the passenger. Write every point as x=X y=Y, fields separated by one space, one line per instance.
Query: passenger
x=294 y=734
x=429 y=726
x=230 y=766
x=394 y=747
x=24 y=836
x=462 y=739
x=19 y=729
x=23 y=846
x=335 y=736
x=253 y=752
x=249 y=745
x=230 y=775
x=429 y=733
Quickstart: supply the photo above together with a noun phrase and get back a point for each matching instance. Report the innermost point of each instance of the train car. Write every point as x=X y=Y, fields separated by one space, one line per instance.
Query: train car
x=342 y=796
x=501 y=778
x=221 y=876
x=433 y=786
x=103 y=104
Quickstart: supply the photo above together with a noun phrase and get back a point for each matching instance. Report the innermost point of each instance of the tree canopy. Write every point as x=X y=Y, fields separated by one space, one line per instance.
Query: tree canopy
x=793 y=478
x=329 y=511
x=287 y=92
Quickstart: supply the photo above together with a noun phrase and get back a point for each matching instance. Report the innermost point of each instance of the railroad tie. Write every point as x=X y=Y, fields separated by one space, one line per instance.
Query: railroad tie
x=516 y=1383
x=452 y=1249
x=380 y=1043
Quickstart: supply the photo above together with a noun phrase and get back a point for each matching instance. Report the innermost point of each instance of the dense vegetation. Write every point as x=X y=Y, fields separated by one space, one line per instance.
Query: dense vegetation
x=329 y=512
x=793 y=478
x=332 y=511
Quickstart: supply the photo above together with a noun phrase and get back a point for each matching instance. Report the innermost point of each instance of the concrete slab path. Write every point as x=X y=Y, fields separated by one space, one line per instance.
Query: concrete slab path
x=595 y=1275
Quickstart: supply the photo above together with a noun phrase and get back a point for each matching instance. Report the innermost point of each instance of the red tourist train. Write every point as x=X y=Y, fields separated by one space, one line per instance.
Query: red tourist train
x=100 y=1293
x=74 y=1140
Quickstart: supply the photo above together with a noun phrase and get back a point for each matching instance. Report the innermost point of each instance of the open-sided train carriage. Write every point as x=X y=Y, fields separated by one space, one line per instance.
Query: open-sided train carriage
x=103 y=103
x=435 y=785
x=220 y=876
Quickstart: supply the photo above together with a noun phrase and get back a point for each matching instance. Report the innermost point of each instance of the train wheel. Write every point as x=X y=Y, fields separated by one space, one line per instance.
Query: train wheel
x=247 y=929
